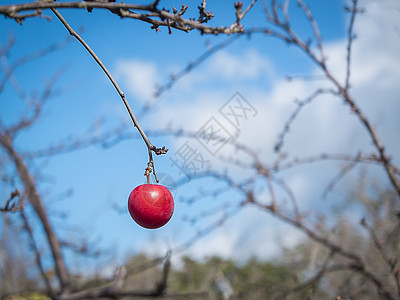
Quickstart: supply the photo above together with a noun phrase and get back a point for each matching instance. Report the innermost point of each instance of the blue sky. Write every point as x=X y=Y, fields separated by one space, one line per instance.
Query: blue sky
x=140 y=58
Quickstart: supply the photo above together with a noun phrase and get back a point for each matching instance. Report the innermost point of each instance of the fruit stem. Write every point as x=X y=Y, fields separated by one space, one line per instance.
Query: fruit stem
x=148 y=170
x=150 y=166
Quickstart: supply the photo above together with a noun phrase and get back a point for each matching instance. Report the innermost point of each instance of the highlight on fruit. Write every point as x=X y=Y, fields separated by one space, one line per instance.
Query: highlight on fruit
x=151 y=205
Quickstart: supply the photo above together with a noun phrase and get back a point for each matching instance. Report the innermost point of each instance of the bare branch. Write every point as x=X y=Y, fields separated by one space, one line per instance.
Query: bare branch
x=350 y=35
x=38 y=256
x=392 y=263
x=358 y=263
x=190 y=66
x=114 y=291
x=37 y=204
x=150 y=146
x=315 y=27
x=288 y=35
x=248 y=9
x=12 y=207
x=210 y=228
x=152 y=15
x=312 y=282
x=239 y=13
x=347 y=168
x=38 y=104
x=293 y=116
x=368 y=159
x=9 y=70
x=204 y=16
x=384 y=158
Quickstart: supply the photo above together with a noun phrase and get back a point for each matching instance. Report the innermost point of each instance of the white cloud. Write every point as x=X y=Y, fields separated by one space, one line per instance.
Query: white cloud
x=250 y=65
x=251 y=233
x=326 y=125
x=375 y=49
x=138 y=77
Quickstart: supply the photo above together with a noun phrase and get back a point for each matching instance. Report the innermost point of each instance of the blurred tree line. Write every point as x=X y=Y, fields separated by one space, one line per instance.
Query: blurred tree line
x=306 y=271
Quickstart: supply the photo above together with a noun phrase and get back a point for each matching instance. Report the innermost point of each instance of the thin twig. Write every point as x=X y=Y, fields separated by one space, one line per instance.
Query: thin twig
x=12 y=207
x=38 y=104
x=358 y=263
x=288 y=35
x=384 y=158
x=9 y=70
x=282 y=184
x=190 y=66
x=293 y=116
x=313 y=282
x=271 y=191
x=248 y=9
x=315 y=27
x=151 y=15
x=346 y=169
x=38 y=257
x=350 y=36
x=367 y=159
x=391 y=263
x=38 y=205
x=151 y=147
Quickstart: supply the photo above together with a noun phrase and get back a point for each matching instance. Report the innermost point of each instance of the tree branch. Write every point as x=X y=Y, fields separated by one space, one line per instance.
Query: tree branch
x=8 y=207
x=391 y=262
x=358 y=263
x=288 y=35
x=38 y=256
x=350 y=35
x=151 y=15
x=192 y=65
x=150 y=146
x=37 y=204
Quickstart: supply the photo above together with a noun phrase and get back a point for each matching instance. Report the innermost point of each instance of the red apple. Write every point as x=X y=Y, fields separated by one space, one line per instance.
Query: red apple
x=151 y=205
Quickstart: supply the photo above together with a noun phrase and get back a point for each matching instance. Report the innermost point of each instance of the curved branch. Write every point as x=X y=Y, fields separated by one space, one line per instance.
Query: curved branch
x=157 y=151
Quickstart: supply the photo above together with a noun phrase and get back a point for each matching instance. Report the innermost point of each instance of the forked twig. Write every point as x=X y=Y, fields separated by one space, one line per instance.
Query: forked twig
x=146 y=13
x=293 y=116
x=315 y=27
x=12 y=207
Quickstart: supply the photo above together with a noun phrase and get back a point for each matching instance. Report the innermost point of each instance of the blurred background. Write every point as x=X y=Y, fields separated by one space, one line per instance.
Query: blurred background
x=252 y=90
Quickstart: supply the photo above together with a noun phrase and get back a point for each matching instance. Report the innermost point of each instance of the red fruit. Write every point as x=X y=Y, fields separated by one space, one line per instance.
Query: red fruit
x=151 y=205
